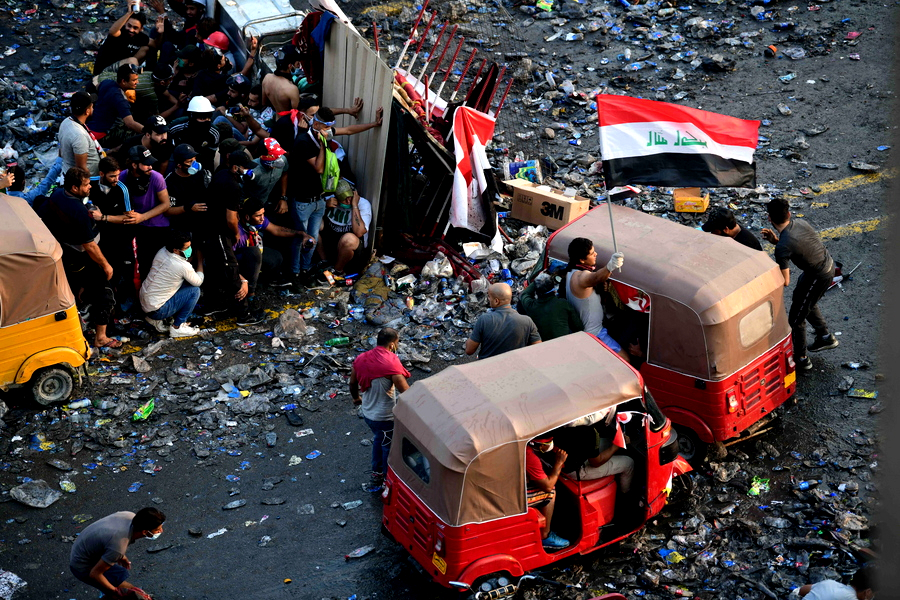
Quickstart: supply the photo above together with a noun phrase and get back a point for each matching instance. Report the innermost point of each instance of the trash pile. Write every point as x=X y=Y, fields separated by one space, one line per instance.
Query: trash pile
x=747 y=527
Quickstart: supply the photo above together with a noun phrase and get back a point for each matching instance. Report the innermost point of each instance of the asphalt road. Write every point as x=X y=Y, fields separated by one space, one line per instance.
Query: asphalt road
x=309 y=549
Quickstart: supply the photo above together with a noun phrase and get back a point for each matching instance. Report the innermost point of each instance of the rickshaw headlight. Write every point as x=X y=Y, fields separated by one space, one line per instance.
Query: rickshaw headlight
x=732 y=402
x=792 y=366
x=386 y=492
x=439 y=544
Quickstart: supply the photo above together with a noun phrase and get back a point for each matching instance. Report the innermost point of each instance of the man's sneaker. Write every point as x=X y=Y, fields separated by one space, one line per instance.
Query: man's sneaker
x=823 y=343
x=251 y=317
x=554 y=541
x=282 y=281
x=804 y=364
x=157 y=324
x=184 y=331
x=210 y=310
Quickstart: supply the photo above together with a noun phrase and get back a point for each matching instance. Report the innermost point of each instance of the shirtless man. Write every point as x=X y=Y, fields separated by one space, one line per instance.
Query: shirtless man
x=278 y=89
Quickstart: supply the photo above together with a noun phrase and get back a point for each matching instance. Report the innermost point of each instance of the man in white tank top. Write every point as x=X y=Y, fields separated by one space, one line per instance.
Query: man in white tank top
x=581 y=276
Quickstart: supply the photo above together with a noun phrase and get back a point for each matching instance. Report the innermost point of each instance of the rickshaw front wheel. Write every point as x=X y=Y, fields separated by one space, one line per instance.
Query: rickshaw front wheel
x=52 y=385
x=692 y=448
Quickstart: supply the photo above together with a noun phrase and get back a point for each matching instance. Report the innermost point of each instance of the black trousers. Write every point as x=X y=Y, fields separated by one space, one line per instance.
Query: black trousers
x=805 y=307
x=85 y=274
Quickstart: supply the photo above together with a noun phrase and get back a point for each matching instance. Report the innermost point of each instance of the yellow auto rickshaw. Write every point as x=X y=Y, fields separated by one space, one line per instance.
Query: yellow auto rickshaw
x=41 y=341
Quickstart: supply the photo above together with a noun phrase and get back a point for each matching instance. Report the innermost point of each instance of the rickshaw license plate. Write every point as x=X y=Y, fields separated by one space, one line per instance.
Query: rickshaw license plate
x=440 y=563
x=790 y=378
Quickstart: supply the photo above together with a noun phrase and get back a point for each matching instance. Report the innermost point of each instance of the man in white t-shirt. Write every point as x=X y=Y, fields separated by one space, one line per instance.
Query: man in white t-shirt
x=345 y=230
x=860 y=588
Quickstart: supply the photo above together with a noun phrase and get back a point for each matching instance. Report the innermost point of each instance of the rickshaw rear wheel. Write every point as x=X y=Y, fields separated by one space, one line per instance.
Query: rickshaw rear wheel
x=692 y=448
x=52 y=385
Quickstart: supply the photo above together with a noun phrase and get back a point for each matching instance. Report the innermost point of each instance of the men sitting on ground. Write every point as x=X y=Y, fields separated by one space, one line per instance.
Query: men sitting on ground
x=554 y=317
x=172 y=287
x=501 y=329
x=112 y=121
x=540 y=492
x=77 y=147
x=149 y=202
x=17 y=187
x=721 y=222
x=253 y=257
x=345 y=232
x=199 y=132
x=155 y=139
x=577 y=286
x=87 y=269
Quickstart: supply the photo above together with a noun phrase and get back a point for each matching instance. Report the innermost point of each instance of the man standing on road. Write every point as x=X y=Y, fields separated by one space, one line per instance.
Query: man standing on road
x=377 y=374
x=501 y=329
x=799 y=243
x=98 y=555
x=721 y=222
x=577 y=286
x=554 y=317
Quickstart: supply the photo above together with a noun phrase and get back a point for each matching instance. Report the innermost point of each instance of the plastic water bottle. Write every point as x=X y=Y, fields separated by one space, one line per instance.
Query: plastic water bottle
x=338 y=341
x=83 y=403
x=805 y=485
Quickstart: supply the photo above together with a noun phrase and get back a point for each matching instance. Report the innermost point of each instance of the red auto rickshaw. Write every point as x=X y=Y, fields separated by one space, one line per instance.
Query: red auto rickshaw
x=719 y=356
x=454 y=493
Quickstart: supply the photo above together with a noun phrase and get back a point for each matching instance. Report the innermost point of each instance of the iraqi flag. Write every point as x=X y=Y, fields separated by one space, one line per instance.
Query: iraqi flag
x=473 y=181
x=656 y=143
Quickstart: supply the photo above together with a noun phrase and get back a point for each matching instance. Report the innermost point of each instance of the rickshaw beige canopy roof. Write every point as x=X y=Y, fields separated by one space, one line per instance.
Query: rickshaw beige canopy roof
x=32 y=280
x=701 y=286
x=473 y=421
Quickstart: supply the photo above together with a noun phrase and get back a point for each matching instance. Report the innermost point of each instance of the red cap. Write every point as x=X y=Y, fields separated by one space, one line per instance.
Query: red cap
x=217 y=39
x=273 y=149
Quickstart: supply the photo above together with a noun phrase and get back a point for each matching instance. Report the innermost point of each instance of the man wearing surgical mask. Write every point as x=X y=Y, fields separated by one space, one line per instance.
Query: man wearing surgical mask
x=98 y=555
x=172 y=288
x=187 y=185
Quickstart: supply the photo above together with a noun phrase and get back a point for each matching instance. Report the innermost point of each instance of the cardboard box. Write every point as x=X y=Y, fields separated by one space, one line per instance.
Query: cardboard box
x=690 y=200
x=542 y=205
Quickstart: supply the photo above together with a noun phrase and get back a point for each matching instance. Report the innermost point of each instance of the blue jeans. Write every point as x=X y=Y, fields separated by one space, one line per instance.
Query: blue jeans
x=307 y=218
x=180 y=305
x=606 y=339
x=222 y=119
x=381 y=443
x=115 y=575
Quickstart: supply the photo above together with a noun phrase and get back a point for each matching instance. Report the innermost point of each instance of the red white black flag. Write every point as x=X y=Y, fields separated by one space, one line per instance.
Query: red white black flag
x=656 y=143
x=471 y=206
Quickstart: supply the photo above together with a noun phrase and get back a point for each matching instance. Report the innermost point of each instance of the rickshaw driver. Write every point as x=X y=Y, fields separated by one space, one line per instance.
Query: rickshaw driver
x=592 y=449
x=577 y=286
x=540 y=489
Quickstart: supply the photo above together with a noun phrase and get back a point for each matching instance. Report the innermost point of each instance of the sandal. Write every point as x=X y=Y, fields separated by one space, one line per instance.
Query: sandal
x=112 y=343
x=294 y=418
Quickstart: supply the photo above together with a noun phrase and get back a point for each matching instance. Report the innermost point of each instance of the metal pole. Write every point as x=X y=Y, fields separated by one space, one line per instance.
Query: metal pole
x=463 y=76
x=412 y=34
x=419 y=45
x=434 y=48
x=612 y=226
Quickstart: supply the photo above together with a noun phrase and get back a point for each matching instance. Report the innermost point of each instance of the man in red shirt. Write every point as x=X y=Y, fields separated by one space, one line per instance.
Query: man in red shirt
x=540 y=491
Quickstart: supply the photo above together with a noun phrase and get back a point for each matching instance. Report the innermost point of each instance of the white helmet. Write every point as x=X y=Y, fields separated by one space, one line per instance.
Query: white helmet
x=199 y=104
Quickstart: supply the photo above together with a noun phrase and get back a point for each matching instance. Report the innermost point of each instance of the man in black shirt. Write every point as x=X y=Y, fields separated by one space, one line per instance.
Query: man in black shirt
x=111 y=196
x=798 y=242
x=198 y=131
x=126 y=39
x=155 y=138
x=87 y=269
x=187 y=189
x=722 y=222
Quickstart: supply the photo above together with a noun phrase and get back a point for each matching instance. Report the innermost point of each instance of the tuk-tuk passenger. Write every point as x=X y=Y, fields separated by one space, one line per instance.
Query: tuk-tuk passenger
x=577 y=286
x=592 y=451
x=541 y=488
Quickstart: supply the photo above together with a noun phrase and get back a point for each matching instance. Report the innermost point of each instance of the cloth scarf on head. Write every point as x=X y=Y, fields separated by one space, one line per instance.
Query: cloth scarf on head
x=295 y=118
x=378 y=362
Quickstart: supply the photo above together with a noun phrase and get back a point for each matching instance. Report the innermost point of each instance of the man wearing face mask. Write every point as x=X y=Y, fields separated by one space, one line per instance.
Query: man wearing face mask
x=345 y=236
x=278 y=89
x=172 y=287
x=149 y=202
x=98 y=556
x=155 y=138
x=199 y=132
x=187 y=185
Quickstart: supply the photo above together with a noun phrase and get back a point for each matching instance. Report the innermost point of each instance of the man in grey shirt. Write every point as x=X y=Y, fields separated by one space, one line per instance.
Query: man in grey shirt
x=76 y=145
x=501 y=329
x=98 y=555
x=377 y=373
x=798 y=242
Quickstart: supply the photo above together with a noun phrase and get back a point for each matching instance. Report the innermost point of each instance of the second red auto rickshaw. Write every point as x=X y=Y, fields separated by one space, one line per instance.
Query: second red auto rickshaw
x=719 y=356
x=454 y=493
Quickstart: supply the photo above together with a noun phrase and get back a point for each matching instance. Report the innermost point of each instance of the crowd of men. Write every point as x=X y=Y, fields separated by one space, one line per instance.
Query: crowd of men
x=178 y=174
